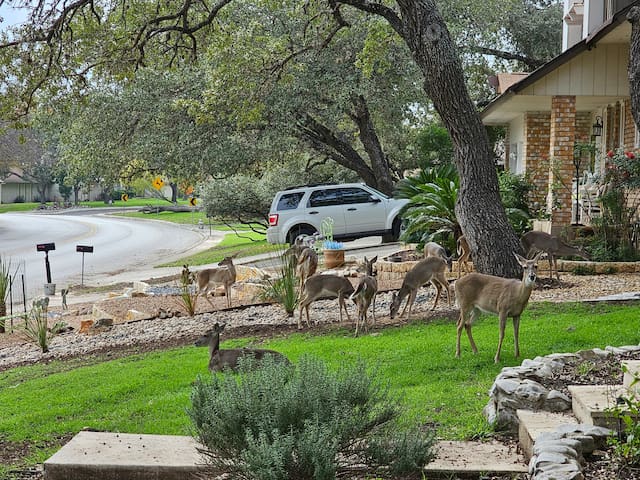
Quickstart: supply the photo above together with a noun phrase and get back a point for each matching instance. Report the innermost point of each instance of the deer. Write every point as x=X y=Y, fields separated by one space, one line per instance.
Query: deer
x=324 y=286
x=535 y=241
x=224 y=273
x=365 y=294
x=307 y=265
x=433 y=249
x=430 y=269
x=464 y=253
x=221 y=359
x=506 y=297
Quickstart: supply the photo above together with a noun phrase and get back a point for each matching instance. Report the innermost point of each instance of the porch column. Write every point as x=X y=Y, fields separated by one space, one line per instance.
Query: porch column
x=562 y=139
x=536 y=156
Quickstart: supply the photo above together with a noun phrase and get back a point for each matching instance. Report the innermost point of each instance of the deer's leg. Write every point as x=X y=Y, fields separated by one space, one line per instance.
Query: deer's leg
x=227 y=293
x=516 y=329
x=343 y=304
x=436 y=284
x=410 y=300
x=555 y=266
x=467 y=327
x=503 y=324
x=459 y=327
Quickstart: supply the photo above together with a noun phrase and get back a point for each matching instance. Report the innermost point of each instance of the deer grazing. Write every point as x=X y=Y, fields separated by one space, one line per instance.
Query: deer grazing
x=319 y=287
x=430 y=269
x=432 y=249
x=534 y=242
x=221 y=359
x=506 y=297
x=224 y=274
x=464 y=253
x=365 y=294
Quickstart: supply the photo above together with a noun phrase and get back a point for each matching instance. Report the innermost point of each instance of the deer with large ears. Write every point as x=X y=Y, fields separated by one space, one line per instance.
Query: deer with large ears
x=506 y=297
x=224 y=274
x=535 y=241
x=318 y=287
x=221 y=359
x=433 y=249
x=365 y=294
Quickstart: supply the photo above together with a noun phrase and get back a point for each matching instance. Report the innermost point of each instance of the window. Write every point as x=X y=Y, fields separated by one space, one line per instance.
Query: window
x=325 y=198
x=290 y=201
x=355 y=195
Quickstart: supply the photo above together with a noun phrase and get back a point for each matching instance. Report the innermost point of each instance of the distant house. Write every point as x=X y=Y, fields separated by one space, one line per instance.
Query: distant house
x=16 y=186
x=582 y=95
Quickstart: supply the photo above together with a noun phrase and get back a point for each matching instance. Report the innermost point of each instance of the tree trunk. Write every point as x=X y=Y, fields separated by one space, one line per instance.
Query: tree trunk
x=174 y=192
x=634 y=63
x=479 y=208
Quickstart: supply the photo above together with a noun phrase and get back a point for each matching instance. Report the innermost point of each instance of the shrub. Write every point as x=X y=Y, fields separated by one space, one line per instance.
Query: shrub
x=583 y=270
x=36 y=328
x=626 y=446
x=284 y=290
x=303 y=422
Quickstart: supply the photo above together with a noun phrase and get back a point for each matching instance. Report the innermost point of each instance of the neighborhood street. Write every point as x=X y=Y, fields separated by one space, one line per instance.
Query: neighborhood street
x=119 y=246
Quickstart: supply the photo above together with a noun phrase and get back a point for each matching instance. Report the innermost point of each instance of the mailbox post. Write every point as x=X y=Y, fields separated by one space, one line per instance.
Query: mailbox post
x=49 y=288
x=84 y=249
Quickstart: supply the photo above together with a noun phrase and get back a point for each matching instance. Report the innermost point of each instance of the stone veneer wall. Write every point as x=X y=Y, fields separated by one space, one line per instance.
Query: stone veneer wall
x=562 y=138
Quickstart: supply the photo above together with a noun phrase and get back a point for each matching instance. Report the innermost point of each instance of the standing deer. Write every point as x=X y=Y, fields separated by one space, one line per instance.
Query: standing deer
x=307 y=265
x=318 y=287
x=432 y=249
x=221 y=359
x=365 y=294
x=506 y=297
x=224 y=274
x=464 y=253
x=431 y=269
x=534 y=242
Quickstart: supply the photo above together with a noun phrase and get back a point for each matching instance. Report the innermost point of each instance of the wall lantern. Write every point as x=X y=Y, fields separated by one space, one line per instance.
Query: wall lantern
x=597 y=127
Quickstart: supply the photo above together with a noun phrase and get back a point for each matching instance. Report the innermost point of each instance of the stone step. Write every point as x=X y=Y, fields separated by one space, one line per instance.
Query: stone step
x=591 y=403
x=531 y=424
x=473 y=459
x=104 y=455
x=107 y=456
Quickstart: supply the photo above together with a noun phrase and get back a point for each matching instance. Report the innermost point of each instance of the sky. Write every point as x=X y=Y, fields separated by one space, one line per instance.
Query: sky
x=11 y=16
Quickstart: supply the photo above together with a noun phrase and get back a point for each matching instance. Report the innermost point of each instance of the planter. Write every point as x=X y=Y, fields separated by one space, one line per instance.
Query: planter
x=333 y=258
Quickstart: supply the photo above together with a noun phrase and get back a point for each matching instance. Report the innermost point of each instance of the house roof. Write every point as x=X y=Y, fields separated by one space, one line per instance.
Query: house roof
x=615 y=30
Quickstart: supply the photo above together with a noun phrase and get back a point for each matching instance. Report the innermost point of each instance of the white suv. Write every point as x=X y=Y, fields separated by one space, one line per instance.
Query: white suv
x=357 y=211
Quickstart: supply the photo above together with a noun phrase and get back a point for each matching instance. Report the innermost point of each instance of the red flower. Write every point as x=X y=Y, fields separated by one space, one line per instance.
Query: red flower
x=630 y=155
x=610 y=154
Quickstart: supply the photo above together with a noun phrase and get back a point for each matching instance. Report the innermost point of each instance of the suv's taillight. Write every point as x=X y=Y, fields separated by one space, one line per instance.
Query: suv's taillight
x=273 y=219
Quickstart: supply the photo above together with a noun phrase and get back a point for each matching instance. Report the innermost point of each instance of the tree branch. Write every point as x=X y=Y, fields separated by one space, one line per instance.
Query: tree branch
x=530 y=62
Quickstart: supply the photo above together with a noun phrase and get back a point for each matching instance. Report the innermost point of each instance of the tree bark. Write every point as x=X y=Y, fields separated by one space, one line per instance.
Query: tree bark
x=634 y=63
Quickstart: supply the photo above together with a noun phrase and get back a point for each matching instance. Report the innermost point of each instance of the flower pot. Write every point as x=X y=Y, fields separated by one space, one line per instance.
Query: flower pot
x=333 y=258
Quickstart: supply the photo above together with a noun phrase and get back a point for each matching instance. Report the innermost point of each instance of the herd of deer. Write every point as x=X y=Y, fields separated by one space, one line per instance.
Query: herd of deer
x=474 y=292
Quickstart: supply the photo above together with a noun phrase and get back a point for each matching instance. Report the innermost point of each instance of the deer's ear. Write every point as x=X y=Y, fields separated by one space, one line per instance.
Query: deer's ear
x=521 y=260
x=374 y=259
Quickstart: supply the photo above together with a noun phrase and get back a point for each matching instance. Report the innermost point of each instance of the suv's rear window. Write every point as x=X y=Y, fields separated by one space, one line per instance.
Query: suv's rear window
x=289 y=201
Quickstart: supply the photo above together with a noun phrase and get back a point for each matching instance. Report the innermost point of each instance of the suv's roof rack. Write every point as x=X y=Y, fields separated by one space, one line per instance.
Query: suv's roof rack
x=309 y=185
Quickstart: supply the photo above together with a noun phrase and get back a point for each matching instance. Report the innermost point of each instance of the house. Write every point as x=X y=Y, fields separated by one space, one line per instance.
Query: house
x=580 y=96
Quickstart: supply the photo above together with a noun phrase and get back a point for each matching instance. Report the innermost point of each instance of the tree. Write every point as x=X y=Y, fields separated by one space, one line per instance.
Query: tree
x=155 y=32
x=634 y=63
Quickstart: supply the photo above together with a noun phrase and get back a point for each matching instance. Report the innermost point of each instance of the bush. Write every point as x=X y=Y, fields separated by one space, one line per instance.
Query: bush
x=303 y=422
x=284 y=290
x=36 y=327
x=626 y=446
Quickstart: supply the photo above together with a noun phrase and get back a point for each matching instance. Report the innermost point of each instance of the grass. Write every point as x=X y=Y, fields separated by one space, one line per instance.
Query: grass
x=133 y=202
x=245 y=244
x=149 y=393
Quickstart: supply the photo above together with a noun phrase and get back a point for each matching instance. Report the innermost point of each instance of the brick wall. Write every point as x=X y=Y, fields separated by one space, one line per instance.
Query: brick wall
x=629 y=126
x=536 y=153
x=562 y=138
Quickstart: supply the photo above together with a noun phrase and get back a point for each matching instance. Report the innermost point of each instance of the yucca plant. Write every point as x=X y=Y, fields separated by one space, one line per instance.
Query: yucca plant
x=188 y=296
x=7 y=275
x=36 y=328
x=284 y=289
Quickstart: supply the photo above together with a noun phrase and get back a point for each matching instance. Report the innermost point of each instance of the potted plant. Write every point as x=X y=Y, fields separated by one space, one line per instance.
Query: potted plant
x=333 y=253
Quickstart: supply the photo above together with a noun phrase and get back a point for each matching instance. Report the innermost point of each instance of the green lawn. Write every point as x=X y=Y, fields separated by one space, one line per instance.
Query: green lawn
x=149 y=393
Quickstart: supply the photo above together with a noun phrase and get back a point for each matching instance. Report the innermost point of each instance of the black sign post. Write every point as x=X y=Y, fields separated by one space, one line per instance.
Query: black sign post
x=45 y=247
x=84 y=249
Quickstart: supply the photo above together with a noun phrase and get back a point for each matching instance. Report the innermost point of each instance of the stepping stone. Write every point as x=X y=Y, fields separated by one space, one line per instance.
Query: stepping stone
x=533 y=423
x=104 y=455
x=591 y=402
x=475 y=458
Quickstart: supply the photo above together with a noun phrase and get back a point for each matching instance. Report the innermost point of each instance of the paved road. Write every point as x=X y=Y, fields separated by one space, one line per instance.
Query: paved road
x=121 y=246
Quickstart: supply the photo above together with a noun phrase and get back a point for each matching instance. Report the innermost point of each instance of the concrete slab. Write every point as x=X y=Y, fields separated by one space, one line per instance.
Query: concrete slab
x=533 y=423
x=474 y=458
x=116 y=456
x=591 y=402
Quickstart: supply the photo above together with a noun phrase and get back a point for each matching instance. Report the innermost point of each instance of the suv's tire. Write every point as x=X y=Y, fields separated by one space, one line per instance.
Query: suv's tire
x=395 y=232
x=299 y=230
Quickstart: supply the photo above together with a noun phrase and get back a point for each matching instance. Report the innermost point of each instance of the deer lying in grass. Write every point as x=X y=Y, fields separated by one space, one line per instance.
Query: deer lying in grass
x=223 y=274
x=534 y=242
x=506 y=297
x=464 y=253
x=319 y=287
x=432 y=249
x=431 y=269
x=221 y=359
x=365 y=294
